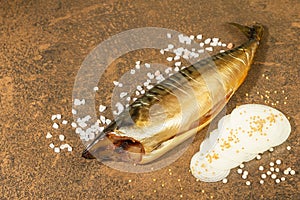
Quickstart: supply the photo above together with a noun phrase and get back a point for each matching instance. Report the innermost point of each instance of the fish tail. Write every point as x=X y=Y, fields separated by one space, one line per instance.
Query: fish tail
x=254 y=32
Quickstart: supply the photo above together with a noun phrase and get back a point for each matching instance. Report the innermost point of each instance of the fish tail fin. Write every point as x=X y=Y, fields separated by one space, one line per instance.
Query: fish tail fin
x=254 y=32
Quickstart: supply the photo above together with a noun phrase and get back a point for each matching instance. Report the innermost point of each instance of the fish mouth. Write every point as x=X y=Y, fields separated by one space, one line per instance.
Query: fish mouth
x=115 y=148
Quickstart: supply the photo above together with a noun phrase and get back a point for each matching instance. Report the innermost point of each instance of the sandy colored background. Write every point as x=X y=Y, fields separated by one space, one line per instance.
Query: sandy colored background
x=42 y=45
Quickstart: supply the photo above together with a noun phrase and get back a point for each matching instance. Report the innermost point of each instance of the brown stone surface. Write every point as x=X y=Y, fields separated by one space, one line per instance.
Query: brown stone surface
x=42 y=45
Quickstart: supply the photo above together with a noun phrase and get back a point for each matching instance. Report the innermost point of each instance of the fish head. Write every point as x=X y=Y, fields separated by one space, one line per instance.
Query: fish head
x=115 y=148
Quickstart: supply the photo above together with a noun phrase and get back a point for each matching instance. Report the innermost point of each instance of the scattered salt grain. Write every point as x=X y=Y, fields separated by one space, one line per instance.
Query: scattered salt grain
x=207 y=41
x=260 y=168
x=48 y=135
x=169 y=59
x=286 y=172
x=278 y=162
x=242 y=166
x=55 y=126
x=239 y=171
x=282 y=178
x=272 y=169
x=64 y=122
x=225 y=180
x=277 y=180
x=263 y=176
x=162 y=51
x=269 y=173
x=176 y=57
x=102 y=119
x=95 y=88
x=61 y=137
x=244 y=176
x=271 y=149
x=77 y=102
x=115 y=83
x=292 y=172
x=51 y=145
x=138 y=62
x=107 y=121
x=56 y=149
x=201 y=44
x=73 y=124
x=74 y=112
x=261 y=181
x=288 y=148
x=277 y=169
x=53 y=117
x=58 y=116
x=102 y=108
x=169 y=35
x=123 y=94
x=209 y=49
x=258 y=157
x=177 y=64
x=120 y=85
x=248 y=183
x=176 y=69
x=147 y=65
x=199 y=37
x=273 y=176
x=272 y=164
x=132 y=71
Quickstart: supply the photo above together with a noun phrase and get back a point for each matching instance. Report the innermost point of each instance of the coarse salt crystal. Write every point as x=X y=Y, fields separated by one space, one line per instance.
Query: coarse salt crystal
x=199 y=37
x=56 y=149
x=169 y=59
x=244 y=176
x=288 y=148
x=73 y=124
x=138 y=62
x=170 y=46
x=278 y=162
x=261 y=181
x=137 y=66
x=269 y=173
x=74 y=112
x=58 y=116
x=102 y=119
x=225 y=180
x=273 y=176
x=248 y=183
x=176 y=57
x=209 y=49
x=55 y=126
x=132 y=71
x=277 y=169
x=277 y=180
x=207 y=41
x=292 y=172
x=115 y=83
x=162 y=51
x=286 y=172
x=61 y=137
x=77 y=102
x=242 y=166
x=271 y=149
x=123 y=94
x=53 y=117
x=272 y=169
x=272 y=164
x=96 y=88
x=102 y=108
x=48 y=135
x=261 y=168
x=51 y=145
x=169 y=35
x=263 y=176
x=176 y=69
x=282 y=178
x=239 y=171
x=107 y=121
x=64 y=122
x=258 y=157
x=177 y=64
x=147 y=65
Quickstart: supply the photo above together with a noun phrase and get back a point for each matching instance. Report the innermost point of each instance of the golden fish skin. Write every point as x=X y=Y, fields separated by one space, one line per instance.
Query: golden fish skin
x=178 y=107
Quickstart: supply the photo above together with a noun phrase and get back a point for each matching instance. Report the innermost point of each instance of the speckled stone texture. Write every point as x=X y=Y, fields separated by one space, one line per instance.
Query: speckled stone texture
x=42 y=45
